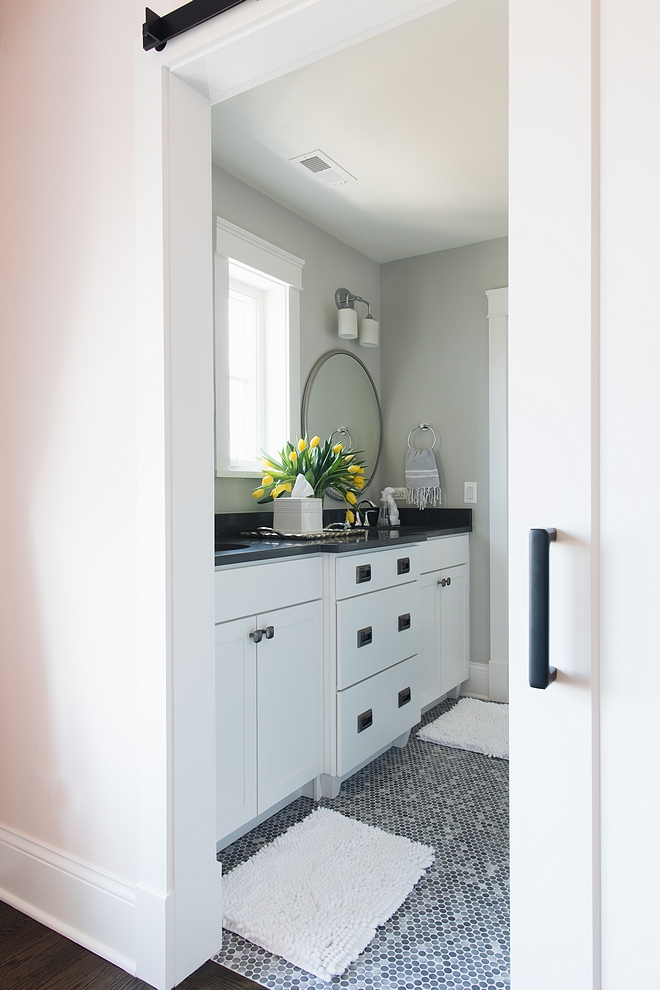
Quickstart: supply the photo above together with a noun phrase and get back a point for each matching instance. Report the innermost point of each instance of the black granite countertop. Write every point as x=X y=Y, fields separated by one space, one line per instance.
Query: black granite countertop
x=416 y=527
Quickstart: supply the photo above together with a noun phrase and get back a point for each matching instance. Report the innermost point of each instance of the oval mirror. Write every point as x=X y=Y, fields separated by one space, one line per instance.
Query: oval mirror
x=340 y=400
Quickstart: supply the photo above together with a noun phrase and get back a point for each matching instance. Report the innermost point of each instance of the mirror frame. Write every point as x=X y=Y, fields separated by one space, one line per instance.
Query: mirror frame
x=305 y=403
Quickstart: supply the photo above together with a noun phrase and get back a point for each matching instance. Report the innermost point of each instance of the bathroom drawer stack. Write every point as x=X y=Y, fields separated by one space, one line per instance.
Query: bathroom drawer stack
x=373 y=676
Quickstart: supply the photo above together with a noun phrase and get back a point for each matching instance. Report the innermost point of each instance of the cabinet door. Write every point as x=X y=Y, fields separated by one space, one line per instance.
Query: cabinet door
x=429 y=652
x=236 y=725
x=289 y=701
x=453 y=625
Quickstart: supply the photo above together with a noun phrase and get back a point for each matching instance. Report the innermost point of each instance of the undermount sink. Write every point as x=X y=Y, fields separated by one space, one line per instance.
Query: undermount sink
x=219 y=547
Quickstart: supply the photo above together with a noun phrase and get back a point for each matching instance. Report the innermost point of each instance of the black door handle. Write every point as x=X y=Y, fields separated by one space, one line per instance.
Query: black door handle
x=540 y=672
x=269 y=631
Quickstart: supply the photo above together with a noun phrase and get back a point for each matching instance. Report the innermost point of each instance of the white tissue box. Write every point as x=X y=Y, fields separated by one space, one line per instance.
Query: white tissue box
x=298 y=515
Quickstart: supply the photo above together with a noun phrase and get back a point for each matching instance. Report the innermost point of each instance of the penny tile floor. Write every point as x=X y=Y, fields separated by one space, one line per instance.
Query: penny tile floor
x=453 y=929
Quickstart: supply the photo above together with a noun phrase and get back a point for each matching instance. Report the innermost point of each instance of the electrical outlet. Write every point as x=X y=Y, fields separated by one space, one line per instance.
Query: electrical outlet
x=400 y=493
x=470 y=492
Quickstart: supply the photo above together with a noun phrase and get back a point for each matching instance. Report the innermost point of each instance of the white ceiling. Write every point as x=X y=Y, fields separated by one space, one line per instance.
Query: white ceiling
x=418 y=115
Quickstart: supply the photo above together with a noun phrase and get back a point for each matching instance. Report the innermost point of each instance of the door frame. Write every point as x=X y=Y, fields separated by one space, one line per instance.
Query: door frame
x=178 y=894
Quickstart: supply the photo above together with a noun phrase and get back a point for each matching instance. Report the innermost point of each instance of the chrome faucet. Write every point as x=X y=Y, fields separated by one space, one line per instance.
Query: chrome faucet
x=364 y=519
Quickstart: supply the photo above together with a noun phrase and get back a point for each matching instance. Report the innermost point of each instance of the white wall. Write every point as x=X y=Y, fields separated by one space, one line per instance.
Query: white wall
x=435 y=369
x=67 y=443
x=68 y=687
x=329 y=265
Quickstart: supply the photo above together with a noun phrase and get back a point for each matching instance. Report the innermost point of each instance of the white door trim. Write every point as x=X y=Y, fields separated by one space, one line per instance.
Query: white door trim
x=498 y=472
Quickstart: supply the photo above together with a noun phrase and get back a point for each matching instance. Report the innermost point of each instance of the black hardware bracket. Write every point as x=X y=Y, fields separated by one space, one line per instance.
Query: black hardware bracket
x=157 y=31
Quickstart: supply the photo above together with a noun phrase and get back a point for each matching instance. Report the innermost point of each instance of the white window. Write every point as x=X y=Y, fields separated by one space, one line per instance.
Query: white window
x=256 y=349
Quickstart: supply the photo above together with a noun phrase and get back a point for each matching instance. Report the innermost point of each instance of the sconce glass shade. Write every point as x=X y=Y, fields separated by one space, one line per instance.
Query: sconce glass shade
x=348 y=323
x=369 y=329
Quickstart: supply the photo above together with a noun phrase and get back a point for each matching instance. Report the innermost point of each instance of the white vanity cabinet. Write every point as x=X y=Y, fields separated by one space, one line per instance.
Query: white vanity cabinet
x=324 y=661
x=373 y=672
x=445 y=605
x=269 y=686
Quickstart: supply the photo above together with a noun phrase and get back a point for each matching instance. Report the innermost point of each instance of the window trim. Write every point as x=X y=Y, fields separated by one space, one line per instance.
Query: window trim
x=235 y=244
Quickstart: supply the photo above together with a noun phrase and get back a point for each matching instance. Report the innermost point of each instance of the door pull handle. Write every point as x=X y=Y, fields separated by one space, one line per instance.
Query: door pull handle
x=540 y=672
x=269 y=631
x=256 y=636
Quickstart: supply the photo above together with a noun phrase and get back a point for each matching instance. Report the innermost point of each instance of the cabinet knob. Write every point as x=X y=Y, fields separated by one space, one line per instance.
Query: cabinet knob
x=256 y=636
x=444 y=582
x=270 y=632
x=448 y=581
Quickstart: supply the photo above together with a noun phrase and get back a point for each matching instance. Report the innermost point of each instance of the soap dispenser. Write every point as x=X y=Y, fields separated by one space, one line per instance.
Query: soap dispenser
x=388 y=515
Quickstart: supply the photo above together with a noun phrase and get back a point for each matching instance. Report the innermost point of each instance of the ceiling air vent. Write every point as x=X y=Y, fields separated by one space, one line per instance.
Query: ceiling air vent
x=323 y=168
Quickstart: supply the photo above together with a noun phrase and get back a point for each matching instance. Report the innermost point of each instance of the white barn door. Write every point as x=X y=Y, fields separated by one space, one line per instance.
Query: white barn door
x=553 y=389
x=584 y=408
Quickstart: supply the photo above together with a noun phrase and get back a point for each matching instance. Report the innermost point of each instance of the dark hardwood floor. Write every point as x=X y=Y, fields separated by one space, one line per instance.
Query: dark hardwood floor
x=32 y=957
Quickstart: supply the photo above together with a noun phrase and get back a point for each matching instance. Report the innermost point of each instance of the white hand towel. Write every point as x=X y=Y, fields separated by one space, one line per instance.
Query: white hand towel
x=422 y=478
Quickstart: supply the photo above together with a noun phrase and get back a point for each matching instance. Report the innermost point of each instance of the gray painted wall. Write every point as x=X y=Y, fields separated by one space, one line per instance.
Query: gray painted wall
x=329 y=265
x=434 y=368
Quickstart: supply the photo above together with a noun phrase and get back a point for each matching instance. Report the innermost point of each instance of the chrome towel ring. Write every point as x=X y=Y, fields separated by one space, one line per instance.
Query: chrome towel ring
x=424 y=427
x=344 y=437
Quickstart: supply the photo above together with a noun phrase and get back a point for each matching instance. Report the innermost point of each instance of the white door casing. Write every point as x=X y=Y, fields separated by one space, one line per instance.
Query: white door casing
x=498 y=472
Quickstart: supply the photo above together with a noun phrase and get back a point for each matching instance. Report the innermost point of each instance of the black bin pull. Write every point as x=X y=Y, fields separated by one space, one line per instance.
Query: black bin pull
x=404 y=697
x=364 y=636
x=363 y=573
x=404 y=622
x=365 y=720
x=540 y=672
x=403 y=565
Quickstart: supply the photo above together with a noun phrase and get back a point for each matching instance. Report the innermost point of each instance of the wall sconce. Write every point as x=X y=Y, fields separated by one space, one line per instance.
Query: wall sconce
x=348 y=319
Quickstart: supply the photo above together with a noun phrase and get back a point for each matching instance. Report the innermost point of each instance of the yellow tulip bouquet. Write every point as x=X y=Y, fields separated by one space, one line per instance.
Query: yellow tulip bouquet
x=324 y=465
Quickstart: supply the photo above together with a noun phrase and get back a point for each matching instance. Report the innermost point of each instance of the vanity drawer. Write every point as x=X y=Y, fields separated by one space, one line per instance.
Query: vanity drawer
x=246 y=589
x=376 y=631
x=360 y=574
x=446 y=551
x=374 y=712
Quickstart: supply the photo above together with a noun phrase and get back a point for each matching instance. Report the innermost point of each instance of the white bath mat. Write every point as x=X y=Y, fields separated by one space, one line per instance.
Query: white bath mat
x=480 y=726
x=317 y=893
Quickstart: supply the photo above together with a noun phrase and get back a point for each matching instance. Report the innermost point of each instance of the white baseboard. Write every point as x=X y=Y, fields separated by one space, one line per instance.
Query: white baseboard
x=79 y=901
x=477 y=685
x=498 y=681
